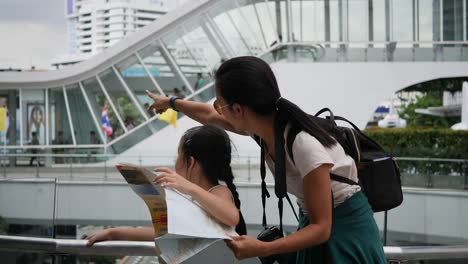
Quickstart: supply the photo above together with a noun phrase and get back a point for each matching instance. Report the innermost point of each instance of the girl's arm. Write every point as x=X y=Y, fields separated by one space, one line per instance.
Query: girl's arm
x=217 y=203
x=200 y=112
x=122 y=233
x=318 y=202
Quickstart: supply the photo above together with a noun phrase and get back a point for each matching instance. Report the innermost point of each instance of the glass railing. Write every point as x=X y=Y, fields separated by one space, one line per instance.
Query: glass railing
x=321 y=51
x=71 y=251
x=434 y=173
x=449 y=174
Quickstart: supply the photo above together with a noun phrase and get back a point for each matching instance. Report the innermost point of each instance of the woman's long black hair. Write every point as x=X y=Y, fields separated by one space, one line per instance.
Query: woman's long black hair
x=211 y=147
x=249 y=81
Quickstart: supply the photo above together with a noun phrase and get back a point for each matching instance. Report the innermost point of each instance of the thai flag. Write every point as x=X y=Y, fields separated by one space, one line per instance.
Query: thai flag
x=105 y=122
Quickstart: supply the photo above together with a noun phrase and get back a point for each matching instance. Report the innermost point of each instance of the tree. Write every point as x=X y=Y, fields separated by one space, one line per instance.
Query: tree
x=431 y=95
x=3 y=226
x=414 y=119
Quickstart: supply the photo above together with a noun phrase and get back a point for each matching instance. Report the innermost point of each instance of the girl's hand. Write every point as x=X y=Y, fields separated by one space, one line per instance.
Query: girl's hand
x=247 y=247
x=98 y=236
x=160 y=104
x=169 y=178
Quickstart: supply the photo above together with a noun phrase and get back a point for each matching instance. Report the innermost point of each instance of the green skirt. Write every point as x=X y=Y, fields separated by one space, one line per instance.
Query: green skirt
x=354 y=237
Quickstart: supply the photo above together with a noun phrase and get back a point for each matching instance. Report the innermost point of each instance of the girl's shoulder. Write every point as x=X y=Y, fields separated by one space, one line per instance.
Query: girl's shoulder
x=221 y=191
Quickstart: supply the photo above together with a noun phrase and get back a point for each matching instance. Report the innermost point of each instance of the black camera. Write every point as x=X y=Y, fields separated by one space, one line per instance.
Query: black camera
x=269 y=234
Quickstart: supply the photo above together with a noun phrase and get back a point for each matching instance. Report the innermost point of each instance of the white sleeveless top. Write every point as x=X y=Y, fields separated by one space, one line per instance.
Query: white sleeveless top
x=216 y=186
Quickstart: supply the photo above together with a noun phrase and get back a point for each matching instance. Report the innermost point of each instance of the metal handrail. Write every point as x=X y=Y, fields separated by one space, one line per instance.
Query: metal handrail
x=76 y=247
x=147 y=248
x=100 y=155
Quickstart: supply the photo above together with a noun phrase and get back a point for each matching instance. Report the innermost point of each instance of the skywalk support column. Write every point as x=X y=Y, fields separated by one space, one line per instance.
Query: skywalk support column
x=370 y=6
x=12 y=131
x=278 y=20
x=327 y=21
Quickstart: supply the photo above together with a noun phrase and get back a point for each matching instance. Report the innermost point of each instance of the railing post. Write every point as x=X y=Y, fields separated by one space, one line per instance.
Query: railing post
x=105 y=169
x=429 y=183
x=139 y=160
x=464 y=174
x=71 y=168
x=4 y=167
x=37 y=167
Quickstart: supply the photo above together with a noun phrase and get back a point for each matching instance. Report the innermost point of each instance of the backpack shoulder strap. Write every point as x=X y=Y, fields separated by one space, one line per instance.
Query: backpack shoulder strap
x=342 y=179
x=292 y=133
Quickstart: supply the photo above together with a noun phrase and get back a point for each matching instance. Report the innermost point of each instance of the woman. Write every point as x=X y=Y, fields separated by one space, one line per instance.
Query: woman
x=36 y=123
x=204 y=158
x=248 y=102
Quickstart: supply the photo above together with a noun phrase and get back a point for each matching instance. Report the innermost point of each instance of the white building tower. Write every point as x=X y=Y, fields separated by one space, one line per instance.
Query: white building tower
x=94 y=25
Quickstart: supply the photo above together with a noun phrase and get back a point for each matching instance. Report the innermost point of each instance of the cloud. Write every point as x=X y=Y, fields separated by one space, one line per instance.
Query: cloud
x=26 y=44
x=35 y=11
x=32 y=31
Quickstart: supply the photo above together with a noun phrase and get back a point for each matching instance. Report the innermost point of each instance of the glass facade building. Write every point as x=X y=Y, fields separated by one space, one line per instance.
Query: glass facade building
x=63 y=114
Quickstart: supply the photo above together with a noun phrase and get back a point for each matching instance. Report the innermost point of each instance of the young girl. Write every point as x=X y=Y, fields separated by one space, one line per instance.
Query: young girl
x=204 y=158
x=248 y=102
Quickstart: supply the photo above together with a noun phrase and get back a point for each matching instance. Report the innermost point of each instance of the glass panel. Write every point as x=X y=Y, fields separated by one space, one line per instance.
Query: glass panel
x=452 y=53
x=453 y=20
x=357 y=54
x=83 y=124
x=27 y=211
x=402 y=20
x=334 y=21
x=358 y=18
x=33 y=117
x=203 y=52
x=138 y=81
x=162 y=71
x=266 y=20
x=127 y=110
x=379 y=20
x=465 y=53
x=197 y=61
x=222 y=16
x=426 y=23
x=137 y=136
x=59 y=125
x=9 y=118
x=375 y=54
x=97 y=101
x=403 y=54
x=331 y=55
x=245 y=20
x=424 y=54
x=436 y=13
x=313 y=19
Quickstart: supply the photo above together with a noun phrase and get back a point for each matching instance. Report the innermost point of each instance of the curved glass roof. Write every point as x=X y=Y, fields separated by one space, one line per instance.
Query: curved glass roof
x=62 y=110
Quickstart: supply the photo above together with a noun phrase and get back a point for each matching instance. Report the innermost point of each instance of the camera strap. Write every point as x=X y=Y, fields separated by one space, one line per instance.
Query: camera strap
x=265 y=192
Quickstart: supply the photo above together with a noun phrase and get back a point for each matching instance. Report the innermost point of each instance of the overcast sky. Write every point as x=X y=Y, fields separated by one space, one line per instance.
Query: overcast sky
x=32 y=32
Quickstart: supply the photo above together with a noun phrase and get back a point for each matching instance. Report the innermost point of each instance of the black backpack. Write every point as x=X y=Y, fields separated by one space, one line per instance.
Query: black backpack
x=378 y=172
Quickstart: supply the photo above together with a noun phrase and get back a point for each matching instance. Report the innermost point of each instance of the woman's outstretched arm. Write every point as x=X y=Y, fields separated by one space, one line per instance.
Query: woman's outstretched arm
x=200 y=112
